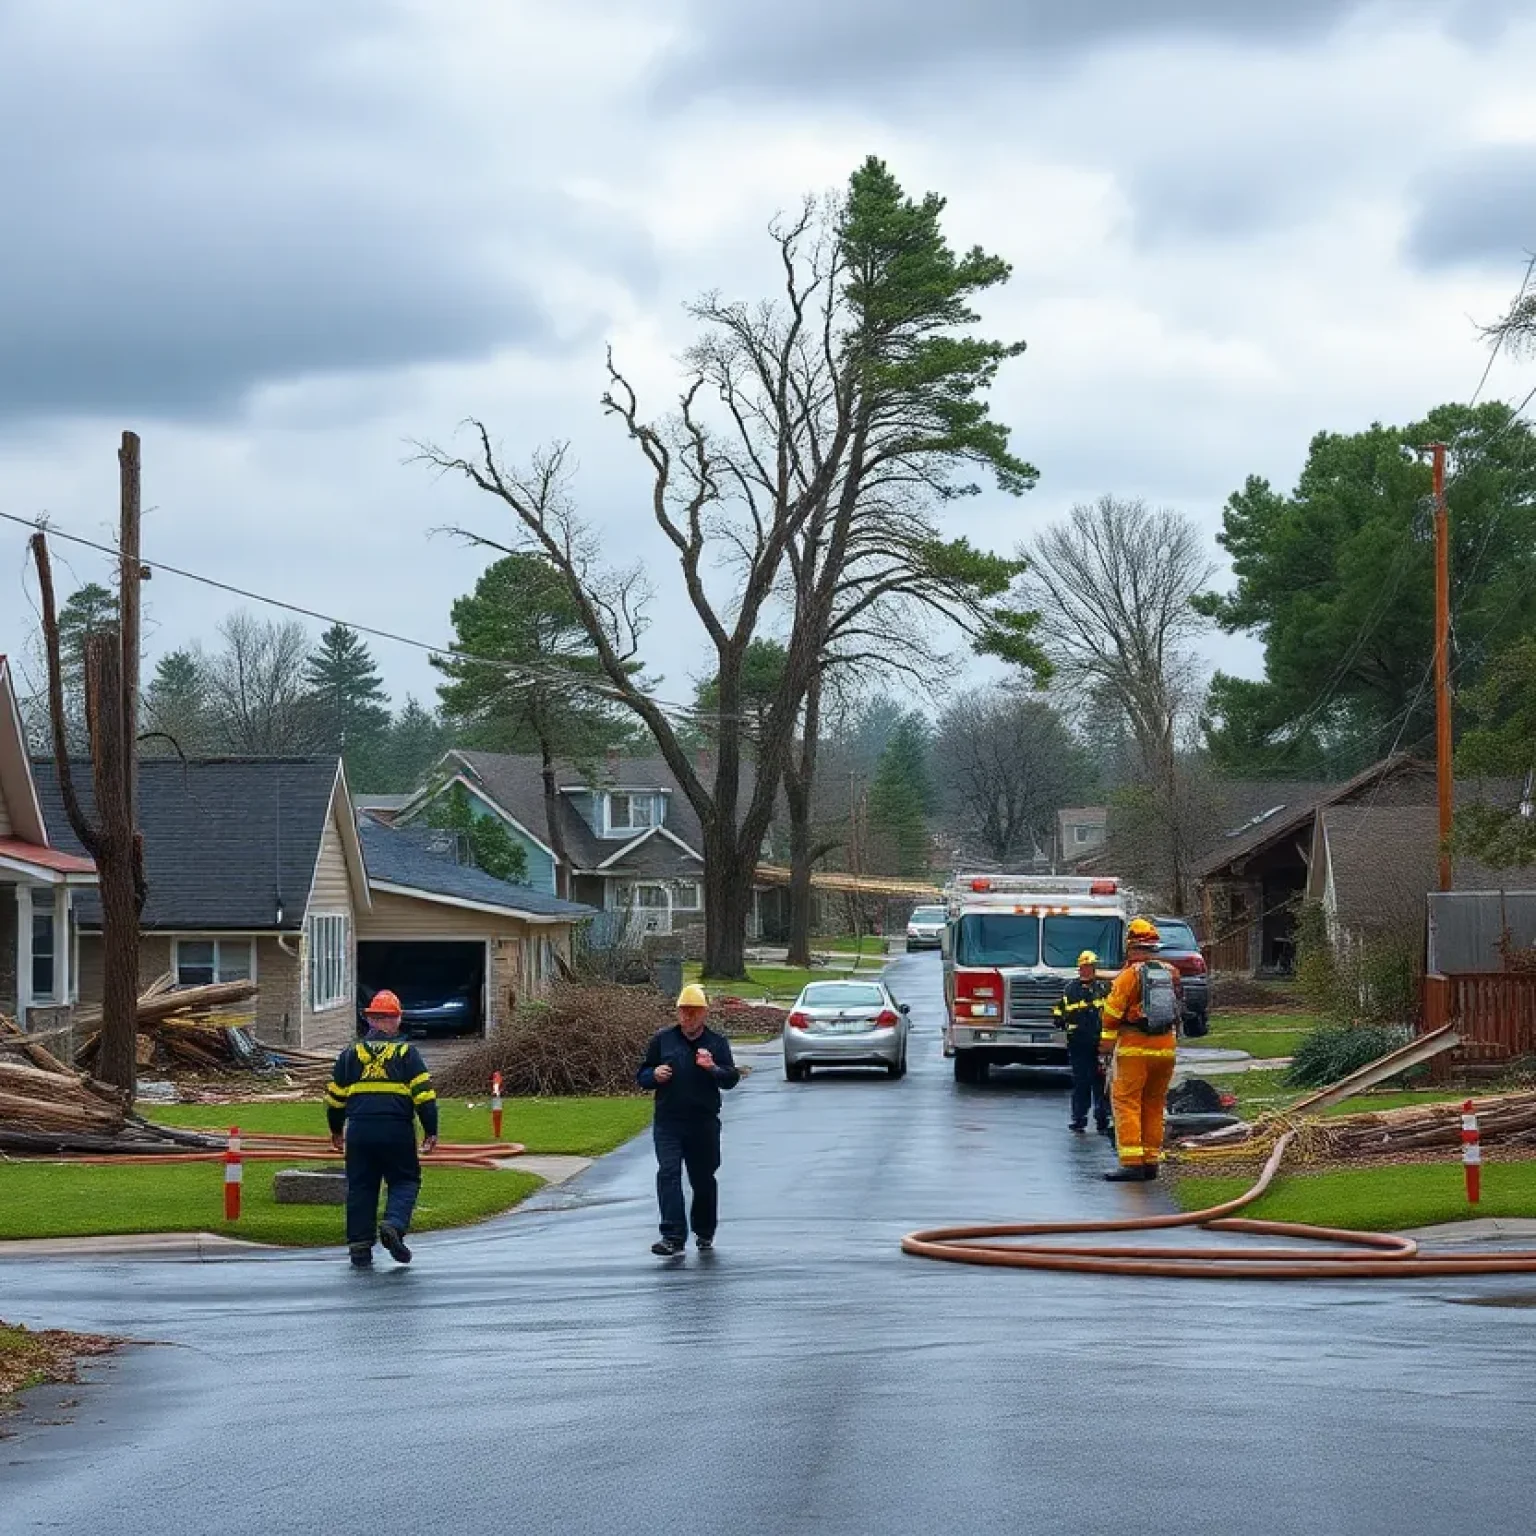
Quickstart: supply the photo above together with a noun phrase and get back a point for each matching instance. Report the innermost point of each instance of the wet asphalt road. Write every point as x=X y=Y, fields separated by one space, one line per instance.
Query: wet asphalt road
x=545 y=1374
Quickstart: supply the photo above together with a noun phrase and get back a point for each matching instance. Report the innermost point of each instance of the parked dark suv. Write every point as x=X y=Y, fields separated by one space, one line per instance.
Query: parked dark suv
x=1181 y=949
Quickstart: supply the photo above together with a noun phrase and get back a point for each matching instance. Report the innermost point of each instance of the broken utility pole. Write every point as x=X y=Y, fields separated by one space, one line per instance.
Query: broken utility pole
x=113 y=839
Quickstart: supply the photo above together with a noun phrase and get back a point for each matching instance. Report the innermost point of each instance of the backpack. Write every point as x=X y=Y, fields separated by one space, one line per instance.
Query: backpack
x=1159 y=1002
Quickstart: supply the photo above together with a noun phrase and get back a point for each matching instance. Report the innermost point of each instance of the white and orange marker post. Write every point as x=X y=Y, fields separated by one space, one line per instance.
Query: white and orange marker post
x=496 y=1105
x=1472 y=1153
x=234 y=1175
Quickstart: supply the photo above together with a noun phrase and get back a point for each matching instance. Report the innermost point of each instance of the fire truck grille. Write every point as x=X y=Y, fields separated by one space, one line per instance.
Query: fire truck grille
x=1031 y=998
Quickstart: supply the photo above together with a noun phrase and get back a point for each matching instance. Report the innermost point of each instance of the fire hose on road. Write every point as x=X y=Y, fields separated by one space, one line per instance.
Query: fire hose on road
x=1378 y=1255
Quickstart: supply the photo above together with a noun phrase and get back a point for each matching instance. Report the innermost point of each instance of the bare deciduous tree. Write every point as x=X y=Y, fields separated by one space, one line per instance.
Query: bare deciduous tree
x=1114 y=585
x=257 y=697
x=858 y=385
x=1009 y=765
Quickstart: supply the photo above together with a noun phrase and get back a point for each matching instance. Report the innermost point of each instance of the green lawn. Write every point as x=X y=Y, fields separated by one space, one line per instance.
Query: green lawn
x=1376 y=1199
x=1264 y=1091
x=781 y=983
x=1260 y=1034
x=83 y=1200
x=871 y=946
x=576 y=1127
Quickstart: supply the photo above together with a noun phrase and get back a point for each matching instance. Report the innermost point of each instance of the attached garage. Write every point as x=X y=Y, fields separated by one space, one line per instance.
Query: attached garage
x=440 y=982
x=460 y=947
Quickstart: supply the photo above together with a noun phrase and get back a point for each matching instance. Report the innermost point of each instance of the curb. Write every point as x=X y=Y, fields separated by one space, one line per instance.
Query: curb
x=160 y=1245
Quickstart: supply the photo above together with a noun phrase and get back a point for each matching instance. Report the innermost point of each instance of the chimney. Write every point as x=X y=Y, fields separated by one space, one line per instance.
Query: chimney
x=614 y=762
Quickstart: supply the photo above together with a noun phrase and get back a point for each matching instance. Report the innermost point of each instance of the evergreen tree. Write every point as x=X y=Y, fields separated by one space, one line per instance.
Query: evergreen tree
x=350 y=707
x=490 y=844
x=416 y=740
x=175 y=716
x=900 y=800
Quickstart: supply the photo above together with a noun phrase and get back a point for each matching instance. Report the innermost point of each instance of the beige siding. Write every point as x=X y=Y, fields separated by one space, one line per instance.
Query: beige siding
x=331 y=894
x=277 y=975
x=513 y=969
x=5 y=815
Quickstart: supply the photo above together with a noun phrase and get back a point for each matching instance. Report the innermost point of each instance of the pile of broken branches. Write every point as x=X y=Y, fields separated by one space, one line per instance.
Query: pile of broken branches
x=202 y=1032
x=1508 y=1120
x=41 y=1097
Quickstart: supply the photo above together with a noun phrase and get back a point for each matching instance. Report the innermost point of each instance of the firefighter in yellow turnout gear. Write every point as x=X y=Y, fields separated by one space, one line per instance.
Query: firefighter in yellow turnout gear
x=1140 y=1032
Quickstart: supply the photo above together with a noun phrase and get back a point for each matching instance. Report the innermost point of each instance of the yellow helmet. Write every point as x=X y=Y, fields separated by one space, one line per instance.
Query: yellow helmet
x=1142 y=932
x=692 y=996
x=1087 y=958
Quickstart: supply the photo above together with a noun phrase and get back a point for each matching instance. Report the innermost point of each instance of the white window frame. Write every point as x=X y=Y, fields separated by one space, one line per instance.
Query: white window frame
x=44 y=999
x=328 y=957
x=696 y=887
x=617 y=828
x=1082 y=834
x=218 y=941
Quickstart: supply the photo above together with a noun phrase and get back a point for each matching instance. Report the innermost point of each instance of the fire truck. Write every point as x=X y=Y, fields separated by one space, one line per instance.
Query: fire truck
x=1010 y=946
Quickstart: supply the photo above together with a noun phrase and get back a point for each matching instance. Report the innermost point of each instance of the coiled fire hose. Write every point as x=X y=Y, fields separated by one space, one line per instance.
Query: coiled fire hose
x=1381 y=1256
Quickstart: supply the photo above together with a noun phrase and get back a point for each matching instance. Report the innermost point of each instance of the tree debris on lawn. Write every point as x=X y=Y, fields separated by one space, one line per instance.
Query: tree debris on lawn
x=202 y=1031
x=35 y=1359
x=1508 y=1120
x=40 y=1094
x=584 y=1038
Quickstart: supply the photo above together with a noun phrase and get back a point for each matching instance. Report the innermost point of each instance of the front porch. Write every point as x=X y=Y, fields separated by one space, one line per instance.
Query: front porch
x=39 y=933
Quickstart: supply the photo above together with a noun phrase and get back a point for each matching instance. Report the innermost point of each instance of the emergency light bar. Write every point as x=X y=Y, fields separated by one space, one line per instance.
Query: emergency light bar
x=1034 y=885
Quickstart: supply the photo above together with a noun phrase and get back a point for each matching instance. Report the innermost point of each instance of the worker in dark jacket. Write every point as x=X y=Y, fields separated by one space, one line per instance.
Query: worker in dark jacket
x=687 y=1066
x=378 y=1090
x=1079 y=1010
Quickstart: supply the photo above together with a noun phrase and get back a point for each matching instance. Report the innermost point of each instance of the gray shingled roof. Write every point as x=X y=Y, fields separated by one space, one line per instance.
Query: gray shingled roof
x=426 y=860
x=225 y=839
x=515 y=782
x=1386 y=859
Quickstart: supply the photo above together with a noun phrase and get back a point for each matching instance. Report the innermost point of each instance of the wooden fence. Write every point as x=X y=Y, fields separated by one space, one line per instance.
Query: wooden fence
x=1230 y=954
x=1494 y=1011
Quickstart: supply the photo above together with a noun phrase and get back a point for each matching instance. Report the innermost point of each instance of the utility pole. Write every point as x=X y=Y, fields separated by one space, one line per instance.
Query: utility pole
x=130 y=575
x=1443 y=766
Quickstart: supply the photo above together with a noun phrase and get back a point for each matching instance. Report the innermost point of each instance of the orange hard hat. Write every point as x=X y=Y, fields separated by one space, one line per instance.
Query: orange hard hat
x=385 y=1003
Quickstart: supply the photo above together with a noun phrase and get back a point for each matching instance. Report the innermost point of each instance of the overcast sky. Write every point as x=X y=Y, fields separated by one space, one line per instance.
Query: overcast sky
x=281 y=240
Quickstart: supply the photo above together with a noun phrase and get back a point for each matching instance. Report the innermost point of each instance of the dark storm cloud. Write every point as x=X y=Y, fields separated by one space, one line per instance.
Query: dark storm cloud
x=811 y=46
x=1477 y=209
x=200 y=199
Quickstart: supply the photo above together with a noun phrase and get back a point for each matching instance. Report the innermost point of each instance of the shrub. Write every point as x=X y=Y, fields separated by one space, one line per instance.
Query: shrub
x=1336 y=1050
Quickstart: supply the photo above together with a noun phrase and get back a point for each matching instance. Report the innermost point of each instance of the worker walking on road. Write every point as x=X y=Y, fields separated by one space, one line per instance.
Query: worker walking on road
x=1079 y=1011
x=378 y=1090
x=1140 y=1031
x=687 y=1066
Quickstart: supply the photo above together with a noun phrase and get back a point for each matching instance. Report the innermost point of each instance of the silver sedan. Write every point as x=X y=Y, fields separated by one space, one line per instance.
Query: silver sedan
x=845 y=1024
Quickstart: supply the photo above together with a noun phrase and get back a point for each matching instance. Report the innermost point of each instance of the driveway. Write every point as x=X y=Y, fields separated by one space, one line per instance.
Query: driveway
x=545 y=1374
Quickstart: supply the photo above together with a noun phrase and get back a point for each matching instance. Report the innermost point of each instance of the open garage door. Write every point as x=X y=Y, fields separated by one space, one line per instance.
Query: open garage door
x=440 y=983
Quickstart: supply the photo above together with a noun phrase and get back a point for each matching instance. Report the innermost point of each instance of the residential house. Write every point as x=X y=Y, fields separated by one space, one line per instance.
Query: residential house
x=437 y=924
x=1254 y=875
x=255 y=872
x=1080 y=832
x=41 y=884
x=1376 y=871
x=632 y=841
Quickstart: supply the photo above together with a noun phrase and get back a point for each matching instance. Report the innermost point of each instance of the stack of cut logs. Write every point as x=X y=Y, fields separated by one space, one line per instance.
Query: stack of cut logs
x=39 y=1094
x=1506 y=1120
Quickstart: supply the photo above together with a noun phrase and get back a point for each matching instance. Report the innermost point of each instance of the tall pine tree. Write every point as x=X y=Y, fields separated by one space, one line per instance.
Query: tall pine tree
x=175 y=716
x=900 y=800
x=351 y=714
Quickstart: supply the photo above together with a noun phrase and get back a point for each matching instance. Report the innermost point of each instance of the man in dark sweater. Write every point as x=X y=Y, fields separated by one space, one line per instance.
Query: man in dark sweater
x=687 y=1066
x=379 y=1088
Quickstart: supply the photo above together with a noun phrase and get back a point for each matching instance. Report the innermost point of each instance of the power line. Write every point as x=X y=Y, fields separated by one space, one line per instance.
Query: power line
x=1498 y=345
x=529 y=675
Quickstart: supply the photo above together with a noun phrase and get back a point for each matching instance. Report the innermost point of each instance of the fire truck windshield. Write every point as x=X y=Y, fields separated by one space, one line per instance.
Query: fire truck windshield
x=1067 y=937
x=998 y=939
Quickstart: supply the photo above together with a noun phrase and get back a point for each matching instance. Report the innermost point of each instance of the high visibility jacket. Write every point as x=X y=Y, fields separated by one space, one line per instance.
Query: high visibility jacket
x=1123 y=1007
x=1079 y=1007
x=381 y=1081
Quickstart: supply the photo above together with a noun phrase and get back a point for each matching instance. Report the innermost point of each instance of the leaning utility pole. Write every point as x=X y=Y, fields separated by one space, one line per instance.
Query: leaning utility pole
x=1443 y=765
x=113 y=839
